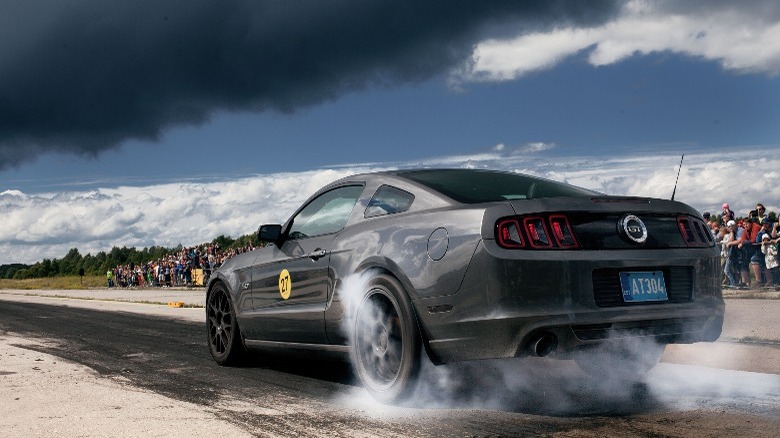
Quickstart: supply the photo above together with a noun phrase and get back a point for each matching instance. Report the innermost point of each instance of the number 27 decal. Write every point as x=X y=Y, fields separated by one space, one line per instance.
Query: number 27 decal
x=285 y=284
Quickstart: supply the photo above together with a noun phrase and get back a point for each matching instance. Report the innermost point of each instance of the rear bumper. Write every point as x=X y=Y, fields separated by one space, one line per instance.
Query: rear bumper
x=510 y=298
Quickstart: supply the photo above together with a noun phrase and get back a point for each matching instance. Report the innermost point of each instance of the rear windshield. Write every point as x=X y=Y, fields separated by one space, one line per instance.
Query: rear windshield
x=475 y=186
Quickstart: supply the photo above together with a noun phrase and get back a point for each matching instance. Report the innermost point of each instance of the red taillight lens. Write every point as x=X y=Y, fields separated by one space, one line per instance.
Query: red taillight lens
x=694 y=232
x=508 y=234
x=702 y=232
x=562 y=232
x=685 y=230
x=536 y=232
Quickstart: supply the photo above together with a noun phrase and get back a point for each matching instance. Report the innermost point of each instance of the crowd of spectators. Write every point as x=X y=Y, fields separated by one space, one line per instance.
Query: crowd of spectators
x=749 y=247
x=187 y=267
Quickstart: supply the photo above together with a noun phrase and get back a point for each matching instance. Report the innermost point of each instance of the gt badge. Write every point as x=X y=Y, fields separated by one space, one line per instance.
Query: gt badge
x=285 y=284
x=633 y=228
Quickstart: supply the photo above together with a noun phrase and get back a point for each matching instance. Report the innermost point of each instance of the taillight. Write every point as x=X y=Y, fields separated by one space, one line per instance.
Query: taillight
x=536 y=232
x=704 y=232
x=694 y=232
x=564 y=236
x=508 y=234
x=685 y=230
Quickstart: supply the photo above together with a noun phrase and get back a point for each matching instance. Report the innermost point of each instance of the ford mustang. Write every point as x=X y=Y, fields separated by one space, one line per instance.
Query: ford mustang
x=396 y=267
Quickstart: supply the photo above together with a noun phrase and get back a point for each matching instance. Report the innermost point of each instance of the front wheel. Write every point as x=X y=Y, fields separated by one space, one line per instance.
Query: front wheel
x=223 y=333
x=386 y=341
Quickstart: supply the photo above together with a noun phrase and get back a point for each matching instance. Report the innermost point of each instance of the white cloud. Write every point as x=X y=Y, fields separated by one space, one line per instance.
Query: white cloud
x=48 y=225
x=743 y=39
x=537 y=147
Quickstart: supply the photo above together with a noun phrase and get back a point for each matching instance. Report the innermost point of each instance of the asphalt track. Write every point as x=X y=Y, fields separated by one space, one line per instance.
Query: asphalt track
x=158 y=353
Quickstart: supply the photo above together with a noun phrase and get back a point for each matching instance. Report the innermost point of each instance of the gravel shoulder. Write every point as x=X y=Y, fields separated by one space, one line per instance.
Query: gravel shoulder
x=43 y=396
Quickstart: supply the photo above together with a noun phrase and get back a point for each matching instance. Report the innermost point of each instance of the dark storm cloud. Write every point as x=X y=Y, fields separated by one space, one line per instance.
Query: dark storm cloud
x=84 y=76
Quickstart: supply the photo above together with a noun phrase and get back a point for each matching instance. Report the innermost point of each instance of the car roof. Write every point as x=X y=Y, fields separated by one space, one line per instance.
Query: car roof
x=473 y=186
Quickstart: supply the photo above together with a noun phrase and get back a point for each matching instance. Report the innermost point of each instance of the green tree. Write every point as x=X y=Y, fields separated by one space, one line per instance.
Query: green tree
x=8 y=271
x=69 y=265
x=223 y=241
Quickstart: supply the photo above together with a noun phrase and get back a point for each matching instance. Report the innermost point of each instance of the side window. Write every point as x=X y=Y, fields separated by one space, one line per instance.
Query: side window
x=327 y=213
x=388 y=200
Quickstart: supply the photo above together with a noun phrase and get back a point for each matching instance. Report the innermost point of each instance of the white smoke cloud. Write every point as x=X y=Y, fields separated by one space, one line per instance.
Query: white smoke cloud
x=743 y=39
x=48 y=225
x=545 y=386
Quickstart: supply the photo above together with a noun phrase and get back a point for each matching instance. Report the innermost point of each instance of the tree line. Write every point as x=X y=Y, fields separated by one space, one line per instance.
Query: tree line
x=74 y=263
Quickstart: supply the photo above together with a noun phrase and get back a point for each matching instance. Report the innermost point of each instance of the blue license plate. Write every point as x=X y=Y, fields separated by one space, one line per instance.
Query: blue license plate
x=643 y=286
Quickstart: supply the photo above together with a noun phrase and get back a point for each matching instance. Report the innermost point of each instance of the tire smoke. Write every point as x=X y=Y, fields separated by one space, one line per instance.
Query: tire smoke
x=620 y=378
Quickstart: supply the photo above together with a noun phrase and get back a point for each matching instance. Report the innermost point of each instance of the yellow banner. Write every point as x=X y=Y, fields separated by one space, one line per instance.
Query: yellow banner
x=197 y=277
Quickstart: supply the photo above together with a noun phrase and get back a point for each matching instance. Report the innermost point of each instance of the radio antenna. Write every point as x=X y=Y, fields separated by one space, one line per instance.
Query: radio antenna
x=678 y=177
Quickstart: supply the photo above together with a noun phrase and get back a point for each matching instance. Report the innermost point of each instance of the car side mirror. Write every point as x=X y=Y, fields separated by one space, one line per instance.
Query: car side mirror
x=270 y=233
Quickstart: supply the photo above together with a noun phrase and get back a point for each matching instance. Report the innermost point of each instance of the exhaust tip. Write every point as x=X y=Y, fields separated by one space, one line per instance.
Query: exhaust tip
x=542 y=345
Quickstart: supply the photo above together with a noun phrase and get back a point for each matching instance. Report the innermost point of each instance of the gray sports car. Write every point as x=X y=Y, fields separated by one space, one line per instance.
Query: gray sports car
x=459 y=264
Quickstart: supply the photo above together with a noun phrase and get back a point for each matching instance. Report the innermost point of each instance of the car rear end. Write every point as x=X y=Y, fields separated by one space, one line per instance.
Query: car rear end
x=567 y=273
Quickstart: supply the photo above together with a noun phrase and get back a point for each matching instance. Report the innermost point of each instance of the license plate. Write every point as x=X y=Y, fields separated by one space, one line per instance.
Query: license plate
x=643 y=286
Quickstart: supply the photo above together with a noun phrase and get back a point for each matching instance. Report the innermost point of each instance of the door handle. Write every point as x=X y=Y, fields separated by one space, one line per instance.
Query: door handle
x=318 y=254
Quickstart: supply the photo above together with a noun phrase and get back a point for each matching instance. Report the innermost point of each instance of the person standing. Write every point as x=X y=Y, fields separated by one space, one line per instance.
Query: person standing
x=110 y=278
x=753 y=258
x=738 y=255
x=769 y=249
x=726 y=214
x=761 y=213
x=731 y=254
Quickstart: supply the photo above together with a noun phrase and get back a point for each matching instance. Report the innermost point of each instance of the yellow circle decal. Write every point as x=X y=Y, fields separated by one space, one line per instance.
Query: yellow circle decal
x=285 y=284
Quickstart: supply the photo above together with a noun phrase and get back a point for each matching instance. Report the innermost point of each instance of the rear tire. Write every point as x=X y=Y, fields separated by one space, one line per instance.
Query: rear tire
x=224 y=336
x=386 y=341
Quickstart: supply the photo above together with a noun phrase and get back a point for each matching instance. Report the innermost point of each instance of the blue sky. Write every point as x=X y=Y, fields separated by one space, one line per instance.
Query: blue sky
x=592 y=97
